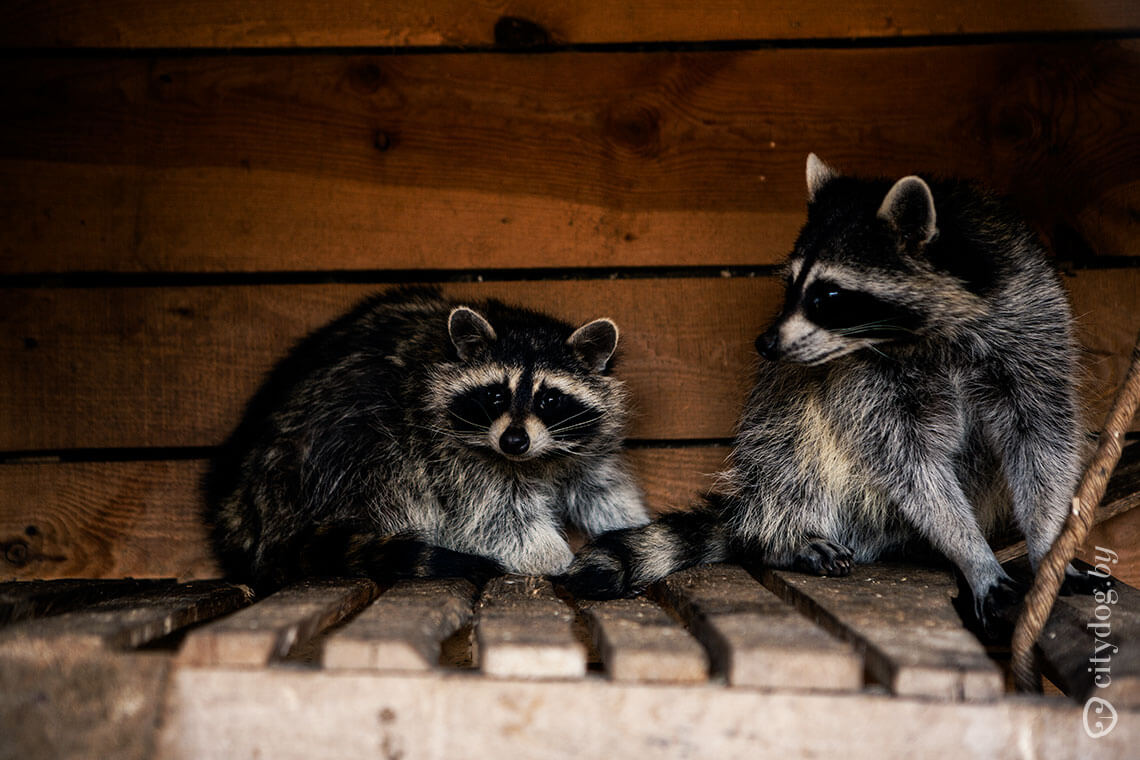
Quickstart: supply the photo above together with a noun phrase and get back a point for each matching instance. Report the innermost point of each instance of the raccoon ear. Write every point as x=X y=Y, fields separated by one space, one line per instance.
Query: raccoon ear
x=909 y=209
x=594 y=343
x=818 y=175
x=469 y=330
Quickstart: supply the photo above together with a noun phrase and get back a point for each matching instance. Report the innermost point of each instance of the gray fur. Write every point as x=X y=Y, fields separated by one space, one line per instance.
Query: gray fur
x=361 y=427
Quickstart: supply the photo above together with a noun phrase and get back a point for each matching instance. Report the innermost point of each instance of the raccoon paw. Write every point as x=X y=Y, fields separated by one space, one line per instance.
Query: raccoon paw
x=822 y=557
x=1084 y=583
x=996 y=611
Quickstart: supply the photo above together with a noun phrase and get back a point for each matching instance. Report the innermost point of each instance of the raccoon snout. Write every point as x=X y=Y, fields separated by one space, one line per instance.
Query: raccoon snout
x=514 y=441
x=768 y=345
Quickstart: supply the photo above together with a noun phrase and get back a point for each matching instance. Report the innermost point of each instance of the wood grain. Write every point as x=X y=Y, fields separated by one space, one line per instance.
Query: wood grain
x=753 y=637
x=524 y=631
x=141 y=519
x=276 y=626
x=403 y=629
x=902 y=621
x=326 y=161
x=638 y=641
x=175 y=366
x=218 y=23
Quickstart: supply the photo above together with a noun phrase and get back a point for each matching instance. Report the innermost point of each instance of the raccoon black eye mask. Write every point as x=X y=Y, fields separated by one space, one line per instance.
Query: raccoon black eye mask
x=417 y=437
x=917 y=391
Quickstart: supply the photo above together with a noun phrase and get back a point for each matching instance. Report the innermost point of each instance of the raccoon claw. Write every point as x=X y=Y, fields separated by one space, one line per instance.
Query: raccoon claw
x=822 y=557
x=995 y=612
x=1084 y=583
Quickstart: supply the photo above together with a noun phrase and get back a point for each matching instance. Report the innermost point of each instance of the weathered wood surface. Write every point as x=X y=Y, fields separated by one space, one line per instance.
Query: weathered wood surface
x=277 y=625
x=287 y=714
x=140 y=519
x=1088 y=645
x=403 y=629
x=523 y=630
x=753 y=637
x=24 y=601
x=638 y=641
x=218 y=23
x=175 y=366
x=478 y=161
x=902 y=620
x=125 y=622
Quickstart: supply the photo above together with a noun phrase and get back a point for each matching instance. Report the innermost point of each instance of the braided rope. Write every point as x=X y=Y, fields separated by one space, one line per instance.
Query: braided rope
x=1039 y=601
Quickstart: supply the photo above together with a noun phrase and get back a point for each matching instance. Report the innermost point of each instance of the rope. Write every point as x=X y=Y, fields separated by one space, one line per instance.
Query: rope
x=1039 y=601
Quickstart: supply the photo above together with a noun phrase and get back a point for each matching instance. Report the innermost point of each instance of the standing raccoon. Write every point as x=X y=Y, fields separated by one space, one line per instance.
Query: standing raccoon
x=918 y=388
x=415 y=437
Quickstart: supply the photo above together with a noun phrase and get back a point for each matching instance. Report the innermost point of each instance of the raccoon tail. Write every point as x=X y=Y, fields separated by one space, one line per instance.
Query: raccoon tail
x=350 y=549
x=624 y=562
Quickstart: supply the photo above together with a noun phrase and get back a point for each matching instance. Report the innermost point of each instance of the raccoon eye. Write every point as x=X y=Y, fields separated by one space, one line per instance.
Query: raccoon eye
x=550 y=400
x=497 y=398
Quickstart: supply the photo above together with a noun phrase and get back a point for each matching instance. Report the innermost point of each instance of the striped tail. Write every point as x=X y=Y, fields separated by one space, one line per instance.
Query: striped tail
x=624 y=562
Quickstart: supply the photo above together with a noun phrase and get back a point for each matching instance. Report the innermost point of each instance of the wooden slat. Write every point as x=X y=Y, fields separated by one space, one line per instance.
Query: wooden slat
x=753 y=637
x=524 y=631
x=23 y=600
x=639 y=641
x=290 y=713
x=217 y=23
x=902 y=620
x=175 y=366
x=140 y=519
x=1088 y=644
x=277 y=625
x=120 y=623
x=251 y=163
x=403 y=629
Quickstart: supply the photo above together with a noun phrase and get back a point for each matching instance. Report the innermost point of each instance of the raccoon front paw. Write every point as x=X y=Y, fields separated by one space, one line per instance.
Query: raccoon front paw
x=996 y=611
x=1084 y=583
x=822 y=557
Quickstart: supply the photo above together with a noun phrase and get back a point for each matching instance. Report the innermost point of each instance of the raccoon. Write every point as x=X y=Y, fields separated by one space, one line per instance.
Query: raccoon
x=917 y=391
x=417 y=437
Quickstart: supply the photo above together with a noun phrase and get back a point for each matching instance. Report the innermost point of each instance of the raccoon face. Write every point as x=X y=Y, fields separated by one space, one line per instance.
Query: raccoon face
x=527 y=397
x=851 y=282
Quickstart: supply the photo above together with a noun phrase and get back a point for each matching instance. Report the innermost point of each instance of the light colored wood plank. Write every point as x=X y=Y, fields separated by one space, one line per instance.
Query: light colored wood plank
x=638 y=641
x=283 y=713
x=754 y=638
x=141 y=519
x=277 y=625
x=524 y=631
x=902 y=620
x=120 y=623
x=216 y=23
x=403 y=629
x=250 y=163
x=176 y=366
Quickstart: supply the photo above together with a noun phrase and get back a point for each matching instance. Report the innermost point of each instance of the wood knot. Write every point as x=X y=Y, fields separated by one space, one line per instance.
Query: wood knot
x=636 y=129
x=513 y=33
x=16 y=552
x=365 y=78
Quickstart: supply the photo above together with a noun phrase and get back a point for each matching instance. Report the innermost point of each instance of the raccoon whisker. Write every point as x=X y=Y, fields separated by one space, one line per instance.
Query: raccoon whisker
x=566 y=428
x=476 y=425
x=574 y=416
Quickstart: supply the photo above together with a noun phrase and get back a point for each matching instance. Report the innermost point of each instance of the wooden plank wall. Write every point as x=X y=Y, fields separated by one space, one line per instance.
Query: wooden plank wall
x=188 y=187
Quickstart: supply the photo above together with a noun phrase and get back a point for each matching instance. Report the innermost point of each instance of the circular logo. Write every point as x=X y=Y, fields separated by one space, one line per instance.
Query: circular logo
x=1100 y=717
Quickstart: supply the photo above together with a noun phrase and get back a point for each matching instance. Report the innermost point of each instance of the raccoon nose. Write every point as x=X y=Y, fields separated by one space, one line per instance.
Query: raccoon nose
x=514 y=440
x=768 y=345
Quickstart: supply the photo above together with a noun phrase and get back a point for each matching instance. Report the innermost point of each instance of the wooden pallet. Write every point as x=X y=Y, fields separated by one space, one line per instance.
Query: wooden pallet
x=713 y=662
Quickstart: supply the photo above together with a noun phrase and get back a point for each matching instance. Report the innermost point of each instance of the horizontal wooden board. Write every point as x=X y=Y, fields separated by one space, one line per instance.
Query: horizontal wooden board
x=141 y=519
x=329 y=161
x=224 y=24
x=130 y=367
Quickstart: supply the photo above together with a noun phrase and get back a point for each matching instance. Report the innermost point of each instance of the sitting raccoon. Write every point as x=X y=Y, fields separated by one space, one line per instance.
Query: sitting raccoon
x=917 y=391
x=414 y=437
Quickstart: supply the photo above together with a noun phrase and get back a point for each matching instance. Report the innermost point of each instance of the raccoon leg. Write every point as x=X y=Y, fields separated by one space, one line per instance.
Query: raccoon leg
x=623 y=562
x=606 y=498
